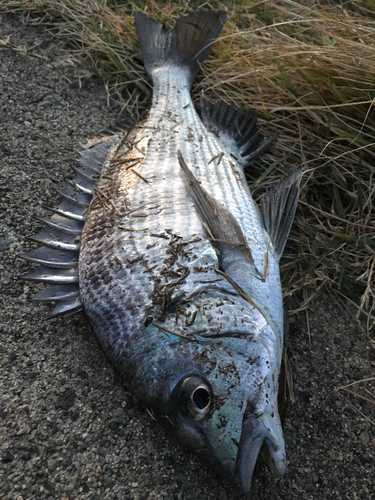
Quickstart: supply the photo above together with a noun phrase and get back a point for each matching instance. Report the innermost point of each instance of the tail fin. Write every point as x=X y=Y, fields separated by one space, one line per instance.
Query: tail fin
x=184 y=46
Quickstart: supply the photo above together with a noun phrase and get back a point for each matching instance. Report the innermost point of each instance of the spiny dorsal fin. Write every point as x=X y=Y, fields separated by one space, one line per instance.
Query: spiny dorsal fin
x=236 y=128
x=58 y=258
x=184 y=46
x=279 y=208
x=124 y=125
x=223 y=227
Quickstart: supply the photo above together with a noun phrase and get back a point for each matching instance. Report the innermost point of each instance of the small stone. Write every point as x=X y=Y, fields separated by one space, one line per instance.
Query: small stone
x=364 y=437
x=66 y=399
x=118 y=412
x=134 y=485
x=23 y=430
x=7 y=458
x=53 y=427
x=27 y=124
x=5 y=242
x=51 y=464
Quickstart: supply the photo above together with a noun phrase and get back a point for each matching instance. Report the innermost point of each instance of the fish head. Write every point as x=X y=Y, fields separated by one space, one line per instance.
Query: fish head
x=223 y=405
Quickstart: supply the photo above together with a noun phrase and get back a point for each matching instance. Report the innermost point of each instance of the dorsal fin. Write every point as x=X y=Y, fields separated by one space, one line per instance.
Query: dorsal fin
x=58 y=258
x=236 y=128
x=279 y=208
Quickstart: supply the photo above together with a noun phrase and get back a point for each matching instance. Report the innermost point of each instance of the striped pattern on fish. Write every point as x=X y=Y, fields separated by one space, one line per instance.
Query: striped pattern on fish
x=164 y=199
x=178 y=269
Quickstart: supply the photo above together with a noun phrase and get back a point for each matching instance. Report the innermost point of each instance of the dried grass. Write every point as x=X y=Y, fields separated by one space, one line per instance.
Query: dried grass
x=309 y=72
x=370 y=399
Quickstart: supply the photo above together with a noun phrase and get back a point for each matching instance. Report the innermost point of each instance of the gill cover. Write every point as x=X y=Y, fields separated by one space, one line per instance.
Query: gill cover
x=221 y=402
x=228 y=432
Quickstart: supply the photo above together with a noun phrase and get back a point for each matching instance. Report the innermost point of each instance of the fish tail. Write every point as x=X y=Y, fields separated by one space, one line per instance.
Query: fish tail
x=185 y=46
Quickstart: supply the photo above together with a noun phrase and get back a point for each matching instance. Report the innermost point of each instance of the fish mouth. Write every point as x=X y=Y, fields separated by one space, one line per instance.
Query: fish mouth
x=254 y=435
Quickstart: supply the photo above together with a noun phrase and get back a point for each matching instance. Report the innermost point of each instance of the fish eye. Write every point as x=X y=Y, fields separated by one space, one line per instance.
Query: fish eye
x=195 y=397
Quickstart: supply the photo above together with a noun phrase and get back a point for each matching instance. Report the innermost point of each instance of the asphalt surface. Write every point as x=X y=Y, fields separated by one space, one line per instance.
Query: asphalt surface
x=69 y=429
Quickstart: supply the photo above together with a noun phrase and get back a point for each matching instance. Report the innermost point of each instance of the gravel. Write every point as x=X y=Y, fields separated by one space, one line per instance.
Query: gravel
x=69 y=429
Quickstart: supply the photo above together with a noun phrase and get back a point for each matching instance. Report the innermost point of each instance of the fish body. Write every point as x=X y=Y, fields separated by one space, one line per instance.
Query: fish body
x=178 y=269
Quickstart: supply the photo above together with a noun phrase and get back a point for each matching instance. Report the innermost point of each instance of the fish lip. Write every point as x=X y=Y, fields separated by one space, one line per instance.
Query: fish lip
x=252 y=437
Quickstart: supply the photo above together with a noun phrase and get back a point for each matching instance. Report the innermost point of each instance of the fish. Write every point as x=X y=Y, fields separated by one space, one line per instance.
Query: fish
x=161 y=244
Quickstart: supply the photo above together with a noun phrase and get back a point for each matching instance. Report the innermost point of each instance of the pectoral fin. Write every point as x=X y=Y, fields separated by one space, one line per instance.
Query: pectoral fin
x=279 y=208
x=221 y=225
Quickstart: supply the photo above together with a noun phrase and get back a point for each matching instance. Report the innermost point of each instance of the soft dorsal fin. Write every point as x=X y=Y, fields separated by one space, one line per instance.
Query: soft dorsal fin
x=236 y=128
x=279 y=208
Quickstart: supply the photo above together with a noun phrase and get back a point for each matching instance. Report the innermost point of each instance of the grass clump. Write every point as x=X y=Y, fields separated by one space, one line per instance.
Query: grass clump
x=308 y=69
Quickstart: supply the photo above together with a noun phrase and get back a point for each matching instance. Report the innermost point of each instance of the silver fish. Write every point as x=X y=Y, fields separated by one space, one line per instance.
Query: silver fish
x=175 y=266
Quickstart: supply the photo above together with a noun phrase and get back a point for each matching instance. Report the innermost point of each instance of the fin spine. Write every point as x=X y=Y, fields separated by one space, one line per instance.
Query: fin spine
x=66 y=308
x=67 y=213
x=52 y=257
x=54 y=276
x=57 y=292
x=58 y=224
x=72 y=200
x=59 y=255
x=78 y=185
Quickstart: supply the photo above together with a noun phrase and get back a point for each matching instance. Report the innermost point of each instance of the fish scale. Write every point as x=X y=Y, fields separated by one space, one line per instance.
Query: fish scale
x=218 y=180
x=178 y=269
